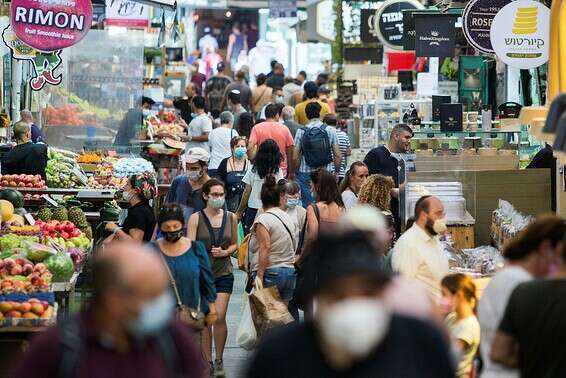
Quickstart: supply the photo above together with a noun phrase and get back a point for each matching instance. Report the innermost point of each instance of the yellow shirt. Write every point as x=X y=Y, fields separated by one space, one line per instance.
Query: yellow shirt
x=301 y=115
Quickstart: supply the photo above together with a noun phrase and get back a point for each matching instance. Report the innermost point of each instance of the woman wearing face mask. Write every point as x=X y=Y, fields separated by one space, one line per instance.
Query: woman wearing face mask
x=353 y=181
x=218 y=230
x=533 y=254
x=186 y=189
x=267 y=161
x=187 y=261
x=458 y=303
x=292 y=205
x=140 y=222
x=232 y=170
x=272 y=245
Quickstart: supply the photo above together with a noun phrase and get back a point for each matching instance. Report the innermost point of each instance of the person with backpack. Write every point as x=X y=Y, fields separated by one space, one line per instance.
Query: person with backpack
x=129 y=329
x=316 y=146
x=218 y=230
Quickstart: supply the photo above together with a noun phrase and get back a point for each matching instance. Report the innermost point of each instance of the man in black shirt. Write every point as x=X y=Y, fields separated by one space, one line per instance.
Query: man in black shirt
x=529 y=336
x=381 y=160
x=353 y=334
x=26 y=157
x=184 y=104
x=277 y=80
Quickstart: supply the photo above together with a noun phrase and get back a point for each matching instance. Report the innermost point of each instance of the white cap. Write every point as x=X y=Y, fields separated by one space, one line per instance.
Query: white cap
x=195 y=155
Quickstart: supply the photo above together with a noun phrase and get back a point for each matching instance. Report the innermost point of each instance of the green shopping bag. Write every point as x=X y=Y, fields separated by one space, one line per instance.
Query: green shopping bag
x=241 y=237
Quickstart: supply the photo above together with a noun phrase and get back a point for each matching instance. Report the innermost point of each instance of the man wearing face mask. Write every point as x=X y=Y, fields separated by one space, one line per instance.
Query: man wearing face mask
x=418 y=253
x=277 y=97
x=352 y=333
x=130 y=124
x=128 y=329
x=273 y=129
x=186 y=189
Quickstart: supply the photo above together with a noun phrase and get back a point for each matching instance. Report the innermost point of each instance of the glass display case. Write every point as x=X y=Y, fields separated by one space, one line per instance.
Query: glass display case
x=100 y=95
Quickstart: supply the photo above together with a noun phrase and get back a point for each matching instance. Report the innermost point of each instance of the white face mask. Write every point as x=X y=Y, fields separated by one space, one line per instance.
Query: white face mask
x=439 y=226
x=355 y=325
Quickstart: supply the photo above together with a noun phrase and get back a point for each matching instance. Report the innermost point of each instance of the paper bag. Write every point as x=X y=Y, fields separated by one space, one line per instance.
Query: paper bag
x=267 y=308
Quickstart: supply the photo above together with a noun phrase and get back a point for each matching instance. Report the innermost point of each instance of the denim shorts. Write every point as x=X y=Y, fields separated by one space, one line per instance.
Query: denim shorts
x=284 y=278
x=224 y=284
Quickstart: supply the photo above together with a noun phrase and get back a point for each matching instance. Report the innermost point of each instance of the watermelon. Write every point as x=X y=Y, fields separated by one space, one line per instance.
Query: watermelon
x=13 y=196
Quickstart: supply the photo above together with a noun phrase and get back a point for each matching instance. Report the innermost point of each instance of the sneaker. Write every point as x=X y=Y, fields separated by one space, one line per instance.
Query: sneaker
x=219 y=369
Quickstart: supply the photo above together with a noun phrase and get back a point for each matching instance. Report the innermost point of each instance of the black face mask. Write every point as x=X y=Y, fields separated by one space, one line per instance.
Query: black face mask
x=172 y=236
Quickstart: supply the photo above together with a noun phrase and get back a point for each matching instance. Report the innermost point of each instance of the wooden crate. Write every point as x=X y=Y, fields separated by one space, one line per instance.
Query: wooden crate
x=462 y=236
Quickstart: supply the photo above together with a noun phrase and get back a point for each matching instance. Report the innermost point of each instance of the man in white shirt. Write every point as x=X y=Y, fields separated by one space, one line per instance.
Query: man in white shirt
x=207 y=41
x=219 y=142
x=200 y=126
x=418 y=253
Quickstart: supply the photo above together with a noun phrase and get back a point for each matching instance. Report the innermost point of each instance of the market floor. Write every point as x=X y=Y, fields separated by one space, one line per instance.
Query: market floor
x=235 y=358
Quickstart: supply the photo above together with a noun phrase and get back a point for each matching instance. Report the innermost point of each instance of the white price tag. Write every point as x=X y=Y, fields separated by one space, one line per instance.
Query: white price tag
x=81 y=176
x=50 y=200
x=29 y=218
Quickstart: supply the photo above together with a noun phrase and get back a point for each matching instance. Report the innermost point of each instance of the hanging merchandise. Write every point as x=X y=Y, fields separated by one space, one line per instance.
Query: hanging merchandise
x=435 y=34
x=520 y=34
x=476 y=77
x=387 y=23
x=476 y=21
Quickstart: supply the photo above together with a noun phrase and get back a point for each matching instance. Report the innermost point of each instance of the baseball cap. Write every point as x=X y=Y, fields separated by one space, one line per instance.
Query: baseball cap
x=195 y=155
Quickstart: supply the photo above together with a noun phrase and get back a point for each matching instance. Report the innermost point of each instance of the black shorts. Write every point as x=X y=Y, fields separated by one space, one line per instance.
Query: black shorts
x=224 y=284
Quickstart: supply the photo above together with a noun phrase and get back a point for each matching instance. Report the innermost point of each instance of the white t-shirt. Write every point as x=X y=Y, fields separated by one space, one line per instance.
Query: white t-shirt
x=420 y=256
x=490 y=312
x=199 y=125
x=467 y=330
x=219 y=142
x=349 y=198
x=253 y=179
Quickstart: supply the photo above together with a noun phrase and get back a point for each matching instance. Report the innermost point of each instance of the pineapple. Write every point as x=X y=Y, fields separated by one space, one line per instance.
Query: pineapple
x=77 y=216
x=87 y=231
x=44 y=214
x=60 y=214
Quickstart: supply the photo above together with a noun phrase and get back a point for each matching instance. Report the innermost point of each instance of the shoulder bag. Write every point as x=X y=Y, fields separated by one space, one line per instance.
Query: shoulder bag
x=192 y=317
x=286 y=228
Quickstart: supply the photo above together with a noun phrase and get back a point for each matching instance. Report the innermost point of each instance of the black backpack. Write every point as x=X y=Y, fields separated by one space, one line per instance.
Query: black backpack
x=315 y=146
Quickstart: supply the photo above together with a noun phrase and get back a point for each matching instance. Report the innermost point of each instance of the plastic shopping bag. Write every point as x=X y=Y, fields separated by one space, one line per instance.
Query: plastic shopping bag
x=247 y=335
x=267 y=308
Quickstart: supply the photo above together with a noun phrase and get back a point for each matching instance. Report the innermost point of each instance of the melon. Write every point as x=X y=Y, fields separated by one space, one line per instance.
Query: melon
x=7 y=210
x=14 y=196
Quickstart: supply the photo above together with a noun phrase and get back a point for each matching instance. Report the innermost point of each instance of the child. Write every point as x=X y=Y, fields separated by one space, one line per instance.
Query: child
x=458 y=304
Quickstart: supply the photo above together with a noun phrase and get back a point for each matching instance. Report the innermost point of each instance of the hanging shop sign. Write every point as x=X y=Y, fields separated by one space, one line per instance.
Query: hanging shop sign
x=477 y=19
x=282 y=8
x=50 y=25
x=126 y=13
x=387 y=23
x=43 y=63
x=435 y=34
x=520 y=32
x=409 y=27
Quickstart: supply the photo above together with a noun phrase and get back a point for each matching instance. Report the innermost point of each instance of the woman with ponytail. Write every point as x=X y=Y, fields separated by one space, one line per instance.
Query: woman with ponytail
x=458 y=303
x=272 y=245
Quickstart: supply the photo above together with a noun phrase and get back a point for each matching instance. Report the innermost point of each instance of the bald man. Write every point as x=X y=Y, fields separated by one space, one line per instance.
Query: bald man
x=418 y=253
x=127 y=331
x=26 y=157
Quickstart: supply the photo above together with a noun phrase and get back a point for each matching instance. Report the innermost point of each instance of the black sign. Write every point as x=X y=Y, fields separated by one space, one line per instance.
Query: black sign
x=451 y=117
x=389 y=22
x=361 y=54
x=409 y=27
x=368 y=29
x=435 y=35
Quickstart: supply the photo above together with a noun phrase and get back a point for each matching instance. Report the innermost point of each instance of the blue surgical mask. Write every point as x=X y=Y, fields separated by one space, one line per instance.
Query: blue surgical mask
x=240 y=152
x=216 y=203
x=154 y=316
x=146 y=112
x=293 y=202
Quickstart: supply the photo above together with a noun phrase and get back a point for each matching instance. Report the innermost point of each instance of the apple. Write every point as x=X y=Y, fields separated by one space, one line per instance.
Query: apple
x=38 y=309
x=5 y=306
x=16 y=270
x=28 y=269
x=14 y=314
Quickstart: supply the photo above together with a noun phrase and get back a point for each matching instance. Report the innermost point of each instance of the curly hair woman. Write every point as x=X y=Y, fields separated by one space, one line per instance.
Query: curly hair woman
x=375 y=192
x=266 y=163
